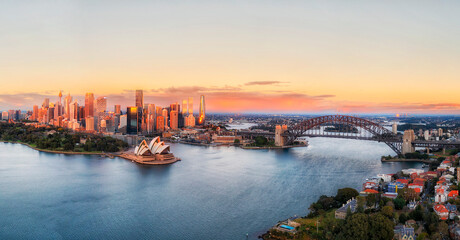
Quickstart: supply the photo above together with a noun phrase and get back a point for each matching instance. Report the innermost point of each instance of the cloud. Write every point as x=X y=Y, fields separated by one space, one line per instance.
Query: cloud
x=237 y=99
x=263 y=83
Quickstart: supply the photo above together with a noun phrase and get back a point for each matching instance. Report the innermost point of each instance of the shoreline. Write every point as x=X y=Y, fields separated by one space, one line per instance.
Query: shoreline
x=64 y=152
x=273 y=147
x=406 y=160
x=122 y=155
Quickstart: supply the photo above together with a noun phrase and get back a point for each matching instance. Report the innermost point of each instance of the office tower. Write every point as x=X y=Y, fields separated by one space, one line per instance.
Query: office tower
x=50 y=113
x=101 y=109
x=73 y=111
x=133 y=120
x=165 y=116
x=139 y=98
x=89 y=105
x=184 y=107
x=35 y=113
x=174 y=120
x=202 y=113
x=159 y=111
x=57 y=110
x=190 y=121
x=440 y=132
x=190 y=105
x=123 y=121
x=46 y=103
x=81 y=113
x=118 y=109
x=426 y=135
x=89 y=123
x=160 y=123
x=395 y=128
x=151 y=116
x=4 y=115
x=67 y=102
x=174 y=107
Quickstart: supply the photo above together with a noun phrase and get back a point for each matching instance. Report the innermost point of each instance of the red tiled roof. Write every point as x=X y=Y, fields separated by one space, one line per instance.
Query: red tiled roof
x=453 y=193
x=440 y=208
x=371 y=191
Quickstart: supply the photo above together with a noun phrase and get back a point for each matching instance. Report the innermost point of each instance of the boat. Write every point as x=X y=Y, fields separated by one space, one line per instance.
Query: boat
x=424 y=165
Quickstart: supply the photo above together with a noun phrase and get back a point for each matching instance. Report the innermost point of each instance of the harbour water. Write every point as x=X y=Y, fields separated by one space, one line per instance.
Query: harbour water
x=213 y=193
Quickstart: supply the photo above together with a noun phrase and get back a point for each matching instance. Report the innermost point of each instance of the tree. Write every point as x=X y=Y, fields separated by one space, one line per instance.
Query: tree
x=402 y=218
x=408 y=194
x=371 y=199
x=443 y=228
x=380 y=227
x=236 y=141
x=356 y=227
x=345 y=194
x=387 y=211
x=399 y=203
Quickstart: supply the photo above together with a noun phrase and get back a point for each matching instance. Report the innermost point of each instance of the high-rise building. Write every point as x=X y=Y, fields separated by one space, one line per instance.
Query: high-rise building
x=89 y=123
x=184 y=107
x=117 y=109
x=134 y=121
x=160 y=123
x=165 y=116
x=35 y=113
x=46 y=103
x=89 y=105
x=426 y=135
x=174 y=119
x=67 y=102
x=123 y=121
x=190 y=105
x=202 y=113
x=139 y=98
x=4 y=115
x=101 y=109
x=151 y=117
x=190 y=121
x=395 y=128
x=73 y=111
x=57 y=110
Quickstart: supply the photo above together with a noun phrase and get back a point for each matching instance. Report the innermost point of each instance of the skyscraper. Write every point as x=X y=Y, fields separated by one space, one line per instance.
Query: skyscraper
x=118 y=109
x=101 y=109
x=73 y=111
x=160 y=123
x=151 y=116
x=202 y=116
x=35 y=113
x=139 y=98
x=190 y=105
x=46 y=103
x=67 y=102
x=164 y=113
x=89 y=105
x=174 y=119
x=134 y=121
x=184 y=107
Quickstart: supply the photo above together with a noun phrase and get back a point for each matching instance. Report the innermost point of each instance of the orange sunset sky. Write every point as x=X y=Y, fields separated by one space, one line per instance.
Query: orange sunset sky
x=244 y=56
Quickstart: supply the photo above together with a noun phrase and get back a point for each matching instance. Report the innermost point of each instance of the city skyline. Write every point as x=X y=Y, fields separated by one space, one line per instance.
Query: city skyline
x=297 y=57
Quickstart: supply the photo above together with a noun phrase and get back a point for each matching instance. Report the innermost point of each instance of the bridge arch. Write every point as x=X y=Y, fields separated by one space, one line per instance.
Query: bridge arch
x=379 y=133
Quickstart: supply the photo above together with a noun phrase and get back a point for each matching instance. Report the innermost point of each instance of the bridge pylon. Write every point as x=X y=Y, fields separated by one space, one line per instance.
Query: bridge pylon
x=279 y=139
x=408 y=138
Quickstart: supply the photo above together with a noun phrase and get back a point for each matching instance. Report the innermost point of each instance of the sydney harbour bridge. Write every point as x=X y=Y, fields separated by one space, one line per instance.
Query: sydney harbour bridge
x=358 y=128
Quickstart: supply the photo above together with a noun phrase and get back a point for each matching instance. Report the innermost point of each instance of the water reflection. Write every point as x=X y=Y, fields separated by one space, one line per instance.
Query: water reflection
x=213 y=193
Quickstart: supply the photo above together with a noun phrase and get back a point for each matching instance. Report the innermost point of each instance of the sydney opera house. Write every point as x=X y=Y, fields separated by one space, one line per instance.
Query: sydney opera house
x=156 y=152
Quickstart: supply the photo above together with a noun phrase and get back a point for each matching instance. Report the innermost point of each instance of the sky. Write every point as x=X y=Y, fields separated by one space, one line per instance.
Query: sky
x=244 y=56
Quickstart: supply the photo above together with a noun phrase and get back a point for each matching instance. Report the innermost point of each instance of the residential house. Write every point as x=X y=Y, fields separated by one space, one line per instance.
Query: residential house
x=441 y=211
